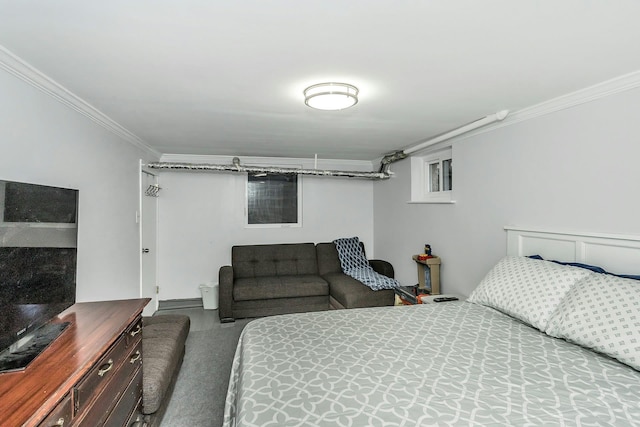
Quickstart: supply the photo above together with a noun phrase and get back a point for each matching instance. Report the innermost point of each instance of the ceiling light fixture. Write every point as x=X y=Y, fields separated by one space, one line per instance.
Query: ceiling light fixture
x=331 y=96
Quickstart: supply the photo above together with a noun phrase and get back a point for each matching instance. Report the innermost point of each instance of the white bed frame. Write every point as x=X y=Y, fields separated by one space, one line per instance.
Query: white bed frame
x=615 y=253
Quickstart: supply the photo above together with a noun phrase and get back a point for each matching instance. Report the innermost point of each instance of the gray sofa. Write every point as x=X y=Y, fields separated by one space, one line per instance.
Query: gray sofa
x=265 y=280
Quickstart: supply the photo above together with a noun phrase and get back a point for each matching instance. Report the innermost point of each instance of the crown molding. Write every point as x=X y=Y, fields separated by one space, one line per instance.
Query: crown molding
x=25 y=72
x=22 y=70
x=592 y=93
x=582 y=96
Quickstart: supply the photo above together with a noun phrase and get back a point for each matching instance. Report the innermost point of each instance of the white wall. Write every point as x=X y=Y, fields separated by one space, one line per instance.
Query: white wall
x=201 y=216
x=575 y=169
x=45 y=142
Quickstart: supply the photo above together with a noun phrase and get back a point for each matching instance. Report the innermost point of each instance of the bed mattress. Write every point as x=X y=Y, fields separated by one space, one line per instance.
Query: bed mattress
x=454 y=363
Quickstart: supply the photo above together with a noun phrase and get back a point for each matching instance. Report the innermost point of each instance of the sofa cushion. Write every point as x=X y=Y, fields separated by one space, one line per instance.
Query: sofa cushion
x=328 y=258
x=274 y=260
x=350 y=293
x=328 y=261
x=256 y=288
x=163 y=339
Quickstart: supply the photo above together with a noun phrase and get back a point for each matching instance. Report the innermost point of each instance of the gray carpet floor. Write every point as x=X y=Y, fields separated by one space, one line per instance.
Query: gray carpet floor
x=201 y=387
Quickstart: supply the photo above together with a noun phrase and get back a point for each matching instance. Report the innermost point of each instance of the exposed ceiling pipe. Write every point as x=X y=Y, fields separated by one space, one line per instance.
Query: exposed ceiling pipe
x=492 y=118
x=237 y=167
x=383 y=173
x=401 y=154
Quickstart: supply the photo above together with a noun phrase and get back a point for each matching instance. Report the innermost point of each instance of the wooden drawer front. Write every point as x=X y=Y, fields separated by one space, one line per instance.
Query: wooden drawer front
x=99 y=375
x=136 y=419
x=129 y=404
x=134 y=332
x=61 y=414
x=100 y=409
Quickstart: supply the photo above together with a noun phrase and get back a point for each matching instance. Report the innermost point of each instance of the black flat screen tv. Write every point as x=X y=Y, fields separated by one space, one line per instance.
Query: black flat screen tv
x=38 y=256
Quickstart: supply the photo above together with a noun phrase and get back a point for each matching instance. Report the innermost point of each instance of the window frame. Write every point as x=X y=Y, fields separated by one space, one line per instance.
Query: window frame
x=421 y=177
x=296 y=224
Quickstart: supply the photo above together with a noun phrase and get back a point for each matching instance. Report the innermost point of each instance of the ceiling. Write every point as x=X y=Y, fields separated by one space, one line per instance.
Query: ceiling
x=226 y=77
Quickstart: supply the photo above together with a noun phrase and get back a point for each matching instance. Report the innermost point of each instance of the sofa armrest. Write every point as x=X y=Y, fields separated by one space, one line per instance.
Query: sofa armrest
x=382 y=267
x=225 y=298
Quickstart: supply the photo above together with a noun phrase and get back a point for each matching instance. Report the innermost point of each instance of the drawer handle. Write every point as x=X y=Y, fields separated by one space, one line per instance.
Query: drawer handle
x=59 y=423
x=135 y=358
x=136 y=331
x=105 y=368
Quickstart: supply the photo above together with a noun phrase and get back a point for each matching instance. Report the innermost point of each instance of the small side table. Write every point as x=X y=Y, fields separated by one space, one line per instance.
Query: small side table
x=429 y=266
x=436 y=299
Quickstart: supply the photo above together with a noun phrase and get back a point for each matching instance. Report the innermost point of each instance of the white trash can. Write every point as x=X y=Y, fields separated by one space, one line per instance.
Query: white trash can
x=209 y=296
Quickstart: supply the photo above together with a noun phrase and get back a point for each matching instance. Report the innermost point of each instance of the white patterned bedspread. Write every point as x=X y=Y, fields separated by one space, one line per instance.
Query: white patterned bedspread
x=445 y=364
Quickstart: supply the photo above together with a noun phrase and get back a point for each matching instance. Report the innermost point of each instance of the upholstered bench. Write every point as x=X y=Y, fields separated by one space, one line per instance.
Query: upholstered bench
x=163 y=346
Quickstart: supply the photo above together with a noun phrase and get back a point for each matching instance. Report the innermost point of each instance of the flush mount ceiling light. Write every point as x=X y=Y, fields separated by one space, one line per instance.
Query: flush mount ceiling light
x=331 y=96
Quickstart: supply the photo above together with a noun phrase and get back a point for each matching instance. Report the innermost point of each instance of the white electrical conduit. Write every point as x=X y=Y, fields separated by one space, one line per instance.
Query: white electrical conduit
x=401 y=154
x=383 y=173
x=492 y=118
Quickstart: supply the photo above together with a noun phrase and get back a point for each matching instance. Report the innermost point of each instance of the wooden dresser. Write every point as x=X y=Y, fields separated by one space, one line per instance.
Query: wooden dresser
x=90 y=376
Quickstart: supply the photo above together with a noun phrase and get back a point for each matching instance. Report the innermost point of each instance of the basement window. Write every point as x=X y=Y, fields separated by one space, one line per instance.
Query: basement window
x=273 y=200
x=432 y=177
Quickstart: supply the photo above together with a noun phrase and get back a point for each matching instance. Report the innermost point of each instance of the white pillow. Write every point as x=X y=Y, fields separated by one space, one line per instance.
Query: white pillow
x=527 y=289
x=602 y=312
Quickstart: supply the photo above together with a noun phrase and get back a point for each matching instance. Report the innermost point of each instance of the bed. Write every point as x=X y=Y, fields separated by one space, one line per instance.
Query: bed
x=535 y=344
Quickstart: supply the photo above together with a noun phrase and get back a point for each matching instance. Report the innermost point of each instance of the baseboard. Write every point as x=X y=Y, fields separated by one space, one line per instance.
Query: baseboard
x=172 y=304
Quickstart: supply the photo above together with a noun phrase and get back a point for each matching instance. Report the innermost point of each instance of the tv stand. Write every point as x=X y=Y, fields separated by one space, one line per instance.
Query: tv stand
x=89 y=376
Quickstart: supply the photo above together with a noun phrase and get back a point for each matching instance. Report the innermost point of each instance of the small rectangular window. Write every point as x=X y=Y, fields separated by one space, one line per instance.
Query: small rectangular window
x=272 y=199
x=447 y=175
x=432 y=177
x=440 y=176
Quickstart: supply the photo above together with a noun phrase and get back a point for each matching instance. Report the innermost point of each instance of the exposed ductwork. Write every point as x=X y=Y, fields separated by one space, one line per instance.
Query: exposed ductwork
x=383 y=172
x=237 y=167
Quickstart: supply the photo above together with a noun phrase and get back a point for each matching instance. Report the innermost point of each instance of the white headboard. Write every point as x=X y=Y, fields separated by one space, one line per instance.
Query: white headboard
x=615 y=253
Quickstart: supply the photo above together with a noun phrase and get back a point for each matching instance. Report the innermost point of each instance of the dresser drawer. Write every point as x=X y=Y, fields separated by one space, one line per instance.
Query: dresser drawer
x=137 y=417
x=134 y=332
x=61 y=414
x=129 y=404
x=99 y=375
x=111 y=393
